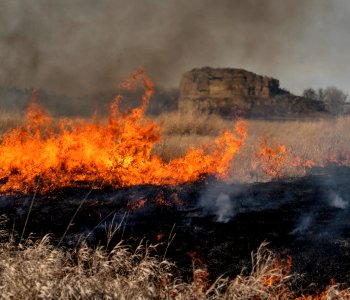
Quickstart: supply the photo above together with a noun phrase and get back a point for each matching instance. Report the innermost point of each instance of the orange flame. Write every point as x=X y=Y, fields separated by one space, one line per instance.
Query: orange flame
x=332 y=291
x=44 y=156
x=200 y=274
x=284 y=266
x=341 y=159
x=304 y=163
x=271 y=159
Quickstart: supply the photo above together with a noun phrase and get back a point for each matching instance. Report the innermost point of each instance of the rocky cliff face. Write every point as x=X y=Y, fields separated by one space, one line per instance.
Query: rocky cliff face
x=229 y=92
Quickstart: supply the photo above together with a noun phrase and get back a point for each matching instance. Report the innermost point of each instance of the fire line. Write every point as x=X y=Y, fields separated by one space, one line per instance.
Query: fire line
x=115 y=154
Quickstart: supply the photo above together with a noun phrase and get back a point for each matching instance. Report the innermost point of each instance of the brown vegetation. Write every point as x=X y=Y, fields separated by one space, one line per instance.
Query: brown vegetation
x=307 y=142
x=9 y=120
x=39 y=270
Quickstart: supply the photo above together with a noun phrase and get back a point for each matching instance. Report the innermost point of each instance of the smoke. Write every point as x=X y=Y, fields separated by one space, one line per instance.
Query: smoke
x=225 y=201
x=83 y=47
x=225 y=209
x=303 y=224
x=337 y=201
x=220 y=200
x=327 y=215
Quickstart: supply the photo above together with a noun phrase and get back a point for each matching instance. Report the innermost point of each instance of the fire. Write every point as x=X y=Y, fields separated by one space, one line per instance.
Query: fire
x=304 y=163
x=271 y=159
x=43 y=155
x=340 y=159
x=285 y=267
x=200 y=274
x=332 y=291
x=278 y=160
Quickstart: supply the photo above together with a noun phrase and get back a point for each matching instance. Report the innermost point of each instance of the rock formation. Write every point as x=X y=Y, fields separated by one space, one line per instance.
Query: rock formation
x=230 y=92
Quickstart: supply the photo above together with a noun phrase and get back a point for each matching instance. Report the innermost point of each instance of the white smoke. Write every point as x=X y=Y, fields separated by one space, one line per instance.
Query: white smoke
x=225 y=208
x=303 y=224
x=338 y=202
x=220 y=201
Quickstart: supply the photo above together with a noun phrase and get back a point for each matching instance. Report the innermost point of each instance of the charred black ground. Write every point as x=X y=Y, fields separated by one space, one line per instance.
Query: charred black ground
x=306 y=218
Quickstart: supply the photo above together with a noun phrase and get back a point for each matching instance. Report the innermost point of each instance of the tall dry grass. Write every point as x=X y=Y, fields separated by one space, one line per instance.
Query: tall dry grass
x=179 y=132
x=9 y=120
x=39 y=270
x=321 y=141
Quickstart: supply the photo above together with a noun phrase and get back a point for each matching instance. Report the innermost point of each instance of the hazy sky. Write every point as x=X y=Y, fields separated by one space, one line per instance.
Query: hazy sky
x=87 y=46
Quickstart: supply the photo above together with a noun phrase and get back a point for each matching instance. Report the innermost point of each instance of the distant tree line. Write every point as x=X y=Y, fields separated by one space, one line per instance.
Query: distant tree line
x=333 y=98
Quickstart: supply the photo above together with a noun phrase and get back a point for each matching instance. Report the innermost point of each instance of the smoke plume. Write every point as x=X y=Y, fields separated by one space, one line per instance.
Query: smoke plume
x=83 y=47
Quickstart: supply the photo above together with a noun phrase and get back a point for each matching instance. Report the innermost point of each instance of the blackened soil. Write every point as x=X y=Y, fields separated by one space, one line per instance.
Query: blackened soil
x=307 y=218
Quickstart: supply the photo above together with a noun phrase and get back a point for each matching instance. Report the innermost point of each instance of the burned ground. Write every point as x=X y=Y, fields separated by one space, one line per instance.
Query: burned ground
x=306 y=218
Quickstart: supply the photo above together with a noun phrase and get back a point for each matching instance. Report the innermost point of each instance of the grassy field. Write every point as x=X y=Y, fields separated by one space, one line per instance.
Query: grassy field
x=320 y=141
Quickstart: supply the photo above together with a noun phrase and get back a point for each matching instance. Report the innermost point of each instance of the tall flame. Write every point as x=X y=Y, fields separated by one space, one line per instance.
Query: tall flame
x=43 y=155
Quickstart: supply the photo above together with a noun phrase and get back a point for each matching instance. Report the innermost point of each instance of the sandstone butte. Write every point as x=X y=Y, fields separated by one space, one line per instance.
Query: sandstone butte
x=236 y=92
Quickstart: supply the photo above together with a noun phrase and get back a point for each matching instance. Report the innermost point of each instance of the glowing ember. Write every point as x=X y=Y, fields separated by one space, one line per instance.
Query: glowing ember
x=44 y=156
x=160 y=236
x=161 y=200
x=135 y=205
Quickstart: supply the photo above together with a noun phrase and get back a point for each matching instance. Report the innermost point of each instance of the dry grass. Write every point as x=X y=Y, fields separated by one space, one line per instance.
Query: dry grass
x=39 y=270
x=317 y=140
x=192 y=124
x=9 y=120
x=179 y=132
